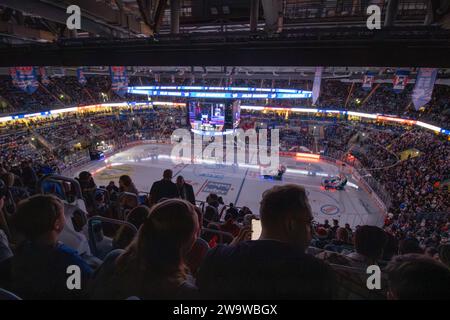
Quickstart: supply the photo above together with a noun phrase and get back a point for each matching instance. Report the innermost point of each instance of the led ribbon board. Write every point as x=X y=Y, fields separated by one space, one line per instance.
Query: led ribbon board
x=227 y=89
x=220 y=95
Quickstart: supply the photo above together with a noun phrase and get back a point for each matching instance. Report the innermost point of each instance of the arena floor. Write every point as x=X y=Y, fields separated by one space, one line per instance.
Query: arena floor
x=242 y=186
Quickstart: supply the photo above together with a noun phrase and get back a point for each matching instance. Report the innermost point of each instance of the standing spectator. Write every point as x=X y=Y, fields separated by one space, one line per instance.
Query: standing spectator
x=164 y=188
x=185 y=190
x=275 y=266
x=232 y=211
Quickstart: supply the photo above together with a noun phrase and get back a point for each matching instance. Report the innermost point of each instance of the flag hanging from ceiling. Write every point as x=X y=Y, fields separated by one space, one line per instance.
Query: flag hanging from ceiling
x=119 y=80
x=400 y=80
x=45 y=80
x=423 y=88
x=81 y=77
x=316 y=85
x=24 y=78
x=368 y=80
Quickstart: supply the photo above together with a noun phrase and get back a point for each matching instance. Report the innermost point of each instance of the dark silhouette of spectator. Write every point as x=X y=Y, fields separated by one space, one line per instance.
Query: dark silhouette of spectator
x=185 y=190
x=153 y=266
x=369 y=242
x=211 y=214
x=409 y=245
x=418 y=277
x=38 y=270
x=444 y=254
x=276 y=266
x=127 y=185
x=125 y=235
x=164 y=188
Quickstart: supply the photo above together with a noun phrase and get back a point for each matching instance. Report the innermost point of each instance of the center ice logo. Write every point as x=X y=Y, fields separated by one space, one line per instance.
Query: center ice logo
x=239 y=148
x=329 y=209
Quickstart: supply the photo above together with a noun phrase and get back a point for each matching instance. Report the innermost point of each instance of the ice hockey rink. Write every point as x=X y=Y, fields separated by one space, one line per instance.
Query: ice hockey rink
x=242 y=185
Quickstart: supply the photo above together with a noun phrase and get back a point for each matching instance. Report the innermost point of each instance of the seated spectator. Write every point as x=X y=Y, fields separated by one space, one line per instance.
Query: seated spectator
x=88 y=188
x=321 y=238
x=444 y=254
x=341 y=242
x=275 y=266
x=391 y=247
x=198 y=252
x=431 y=252
x=230 y=225
x=29 y=176
x=212 y=238
x=243 y=212
x=334 y=228
x=112 y=188
x=153 y=266
x=17 y=193
x=409 y=245
x=101 y=206
x=418 y=277
x=369 y=242
x=349 y=230
x=125 y=235
x=213 y=202
x=127 y=185
x=40 y=220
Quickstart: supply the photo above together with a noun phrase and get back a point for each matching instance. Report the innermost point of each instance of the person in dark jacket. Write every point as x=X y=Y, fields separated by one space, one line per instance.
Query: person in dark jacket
x=185 y=190
x=164 y=188
x=276 y=266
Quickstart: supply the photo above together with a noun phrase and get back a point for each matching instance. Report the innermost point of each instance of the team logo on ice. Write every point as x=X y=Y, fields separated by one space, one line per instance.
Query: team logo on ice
x=329 y=210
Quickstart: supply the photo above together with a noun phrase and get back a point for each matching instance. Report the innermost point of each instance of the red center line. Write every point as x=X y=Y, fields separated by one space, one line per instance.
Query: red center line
x=204 y=183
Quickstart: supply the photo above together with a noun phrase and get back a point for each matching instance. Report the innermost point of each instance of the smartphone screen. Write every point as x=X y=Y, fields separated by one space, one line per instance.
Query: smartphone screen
x=256 y=229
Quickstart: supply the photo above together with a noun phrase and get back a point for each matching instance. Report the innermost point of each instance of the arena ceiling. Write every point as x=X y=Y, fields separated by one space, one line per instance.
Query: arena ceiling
x=222 y=32
x=239 y=73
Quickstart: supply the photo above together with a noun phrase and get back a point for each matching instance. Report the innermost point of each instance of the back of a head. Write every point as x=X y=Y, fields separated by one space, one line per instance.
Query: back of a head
x=281 y=204
x=126 y=180
x=138 y=215
x=168 y=232
x=444 y=254
x=370 y=241
x=167 y=174
x=391 y=247
x=8 y=178
x=342 y=234
x=409 y=245
x=281 y=201
x=418 y=277
x=36 y=216
x=84 y=175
